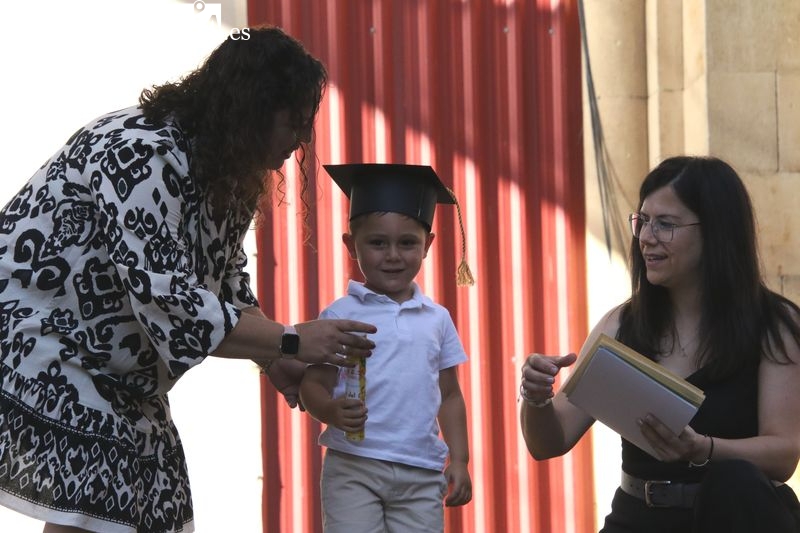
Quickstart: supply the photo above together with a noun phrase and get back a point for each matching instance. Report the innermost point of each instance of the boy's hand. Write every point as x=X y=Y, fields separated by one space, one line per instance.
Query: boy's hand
x=286 y=375
x=459 y=484
x=348 y=414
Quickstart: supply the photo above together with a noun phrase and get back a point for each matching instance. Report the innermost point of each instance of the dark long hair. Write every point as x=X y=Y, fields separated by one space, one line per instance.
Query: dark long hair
x=741 y=317
x=227 y=107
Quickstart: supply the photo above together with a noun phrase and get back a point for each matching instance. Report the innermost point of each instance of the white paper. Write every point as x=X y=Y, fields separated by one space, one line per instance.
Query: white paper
x=617 y=394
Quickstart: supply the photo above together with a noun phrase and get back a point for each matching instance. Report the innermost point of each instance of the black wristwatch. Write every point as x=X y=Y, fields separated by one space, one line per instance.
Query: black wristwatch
x=290 y=343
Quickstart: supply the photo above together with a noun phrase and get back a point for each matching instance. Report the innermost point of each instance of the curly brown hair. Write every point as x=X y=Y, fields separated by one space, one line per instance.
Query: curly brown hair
x=227 y=108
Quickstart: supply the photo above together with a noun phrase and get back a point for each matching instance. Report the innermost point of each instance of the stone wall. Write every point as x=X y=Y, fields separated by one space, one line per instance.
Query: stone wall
x=701 y=77
x=716 y=77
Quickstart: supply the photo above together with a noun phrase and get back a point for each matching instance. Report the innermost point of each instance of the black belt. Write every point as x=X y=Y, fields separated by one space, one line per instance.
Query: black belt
x=660 y=492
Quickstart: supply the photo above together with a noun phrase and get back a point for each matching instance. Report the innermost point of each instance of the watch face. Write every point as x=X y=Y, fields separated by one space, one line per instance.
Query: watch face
x=290 y=343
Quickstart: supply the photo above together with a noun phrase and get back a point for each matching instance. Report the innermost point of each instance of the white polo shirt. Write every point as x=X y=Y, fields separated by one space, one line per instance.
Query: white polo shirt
x=415 y=341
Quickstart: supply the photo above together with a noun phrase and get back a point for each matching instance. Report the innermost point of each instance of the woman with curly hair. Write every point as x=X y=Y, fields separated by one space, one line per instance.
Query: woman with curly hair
x=699 y=307
x=122 y=267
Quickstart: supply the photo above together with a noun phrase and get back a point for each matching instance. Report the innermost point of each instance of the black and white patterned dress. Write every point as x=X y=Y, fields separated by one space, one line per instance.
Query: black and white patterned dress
x=114 y=281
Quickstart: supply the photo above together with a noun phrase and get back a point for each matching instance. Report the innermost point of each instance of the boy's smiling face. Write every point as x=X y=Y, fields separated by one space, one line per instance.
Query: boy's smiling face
x=389 y=248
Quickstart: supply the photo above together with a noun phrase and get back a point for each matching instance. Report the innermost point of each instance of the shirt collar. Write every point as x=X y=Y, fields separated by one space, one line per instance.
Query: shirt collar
x=358 y=290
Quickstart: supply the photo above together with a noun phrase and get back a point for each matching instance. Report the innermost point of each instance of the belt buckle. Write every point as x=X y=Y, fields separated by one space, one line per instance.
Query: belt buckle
x=648 y=491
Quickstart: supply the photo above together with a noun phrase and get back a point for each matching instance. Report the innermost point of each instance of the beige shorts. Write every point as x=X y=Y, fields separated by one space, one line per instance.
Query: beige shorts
x=361 y=495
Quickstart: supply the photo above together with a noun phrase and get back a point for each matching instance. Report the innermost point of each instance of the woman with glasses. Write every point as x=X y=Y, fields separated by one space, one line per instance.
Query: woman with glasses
x=700 y=308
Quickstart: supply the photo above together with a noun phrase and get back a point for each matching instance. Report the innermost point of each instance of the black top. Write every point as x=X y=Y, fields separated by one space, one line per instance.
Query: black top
x=730 y=411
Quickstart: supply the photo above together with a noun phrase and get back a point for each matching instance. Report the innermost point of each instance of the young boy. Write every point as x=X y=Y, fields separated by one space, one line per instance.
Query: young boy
x=395 y=478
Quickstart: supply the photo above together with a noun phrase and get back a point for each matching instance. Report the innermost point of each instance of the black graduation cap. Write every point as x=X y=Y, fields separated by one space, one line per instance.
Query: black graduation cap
x=411 y=190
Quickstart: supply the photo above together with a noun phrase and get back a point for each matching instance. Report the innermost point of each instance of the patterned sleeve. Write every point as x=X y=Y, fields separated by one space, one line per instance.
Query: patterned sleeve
x=146 y=204
x=236 y=282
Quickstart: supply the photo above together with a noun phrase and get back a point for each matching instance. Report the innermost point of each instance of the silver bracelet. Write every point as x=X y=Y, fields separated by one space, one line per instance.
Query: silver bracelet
x=530 y=401
x=708 y=459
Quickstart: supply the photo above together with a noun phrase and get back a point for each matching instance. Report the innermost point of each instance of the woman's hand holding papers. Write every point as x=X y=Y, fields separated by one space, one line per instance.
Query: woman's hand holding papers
x=688 y=446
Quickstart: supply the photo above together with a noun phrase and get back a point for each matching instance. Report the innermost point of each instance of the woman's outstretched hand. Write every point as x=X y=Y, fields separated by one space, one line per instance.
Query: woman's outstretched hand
x=335 y=341
x=539 y=374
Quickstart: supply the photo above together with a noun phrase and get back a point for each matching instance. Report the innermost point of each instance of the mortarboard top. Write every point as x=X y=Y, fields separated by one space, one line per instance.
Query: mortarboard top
x=411 y=190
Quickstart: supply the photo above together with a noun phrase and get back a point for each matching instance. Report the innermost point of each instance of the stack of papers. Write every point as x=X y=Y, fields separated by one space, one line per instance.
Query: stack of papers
x=618 y=386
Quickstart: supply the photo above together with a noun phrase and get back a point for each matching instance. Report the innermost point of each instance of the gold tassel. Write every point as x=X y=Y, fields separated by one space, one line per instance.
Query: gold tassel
x=464 y=276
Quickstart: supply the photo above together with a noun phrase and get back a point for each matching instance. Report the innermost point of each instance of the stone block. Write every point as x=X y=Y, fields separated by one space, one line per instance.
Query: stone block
x=790 y=288
x=664 y=46
x=742 y=119
x=789 y=122
x=666 y=125
x=774 y=199
x=744 y=35
x=625 y=129
x=788 y=51
x=694 y=41
x=617 y=50
x=695 y=117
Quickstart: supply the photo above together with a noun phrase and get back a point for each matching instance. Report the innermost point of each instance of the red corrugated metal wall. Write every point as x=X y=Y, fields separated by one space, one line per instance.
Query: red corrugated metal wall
x=488 y=92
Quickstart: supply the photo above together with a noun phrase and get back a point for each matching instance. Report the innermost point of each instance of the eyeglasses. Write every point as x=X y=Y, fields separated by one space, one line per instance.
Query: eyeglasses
x=662 y=231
